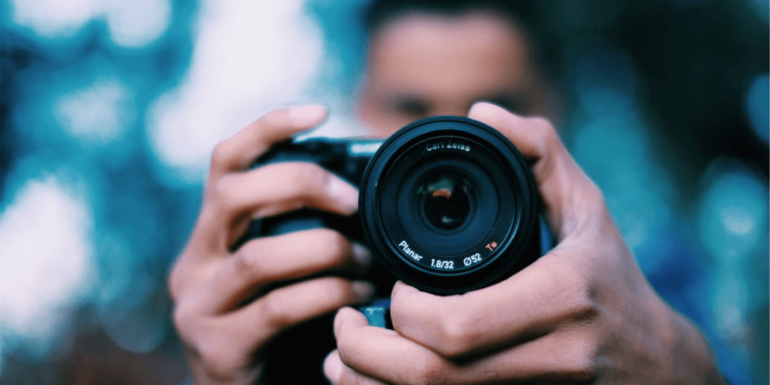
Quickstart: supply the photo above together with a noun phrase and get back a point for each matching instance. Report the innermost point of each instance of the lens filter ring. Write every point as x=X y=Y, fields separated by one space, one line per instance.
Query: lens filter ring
x=448 y=205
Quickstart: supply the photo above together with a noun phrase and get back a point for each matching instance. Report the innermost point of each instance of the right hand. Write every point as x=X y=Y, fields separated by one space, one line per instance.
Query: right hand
x=221 y=310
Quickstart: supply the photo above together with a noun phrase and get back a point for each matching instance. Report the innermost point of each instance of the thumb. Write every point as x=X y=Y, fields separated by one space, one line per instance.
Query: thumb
x=569 y=196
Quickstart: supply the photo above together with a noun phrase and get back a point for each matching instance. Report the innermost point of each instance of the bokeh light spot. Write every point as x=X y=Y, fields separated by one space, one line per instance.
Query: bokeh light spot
x=248 y=58
x=756 y=106
x=53 y=18
x=45 y=265
x=732 y=216
x=98 y=114
x=131 y=24
x=136 y=23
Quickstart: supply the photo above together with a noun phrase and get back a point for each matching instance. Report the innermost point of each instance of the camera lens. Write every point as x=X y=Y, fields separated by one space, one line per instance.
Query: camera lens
x=448 y=205
x=445 y=201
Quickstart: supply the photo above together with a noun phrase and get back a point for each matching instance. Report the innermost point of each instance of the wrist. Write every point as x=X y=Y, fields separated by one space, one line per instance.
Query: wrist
x=690 y=359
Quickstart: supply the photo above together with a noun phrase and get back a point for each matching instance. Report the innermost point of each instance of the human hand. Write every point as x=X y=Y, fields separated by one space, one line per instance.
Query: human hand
x=221 y=310
x=582 y=313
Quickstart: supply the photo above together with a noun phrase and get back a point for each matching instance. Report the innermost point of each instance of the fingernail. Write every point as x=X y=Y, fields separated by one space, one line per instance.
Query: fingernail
x=333 y=367
x=345 y=193
x=488 y=108
x=308 y=115
x=362 y=255
x=363 y=290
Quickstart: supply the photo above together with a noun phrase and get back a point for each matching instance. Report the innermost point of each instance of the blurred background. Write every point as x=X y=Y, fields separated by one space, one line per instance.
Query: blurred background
x=110 y=108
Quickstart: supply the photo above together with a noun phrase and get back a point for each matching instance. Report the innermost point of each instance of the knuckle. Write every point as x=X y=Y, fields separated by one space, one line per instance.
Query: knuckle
x=582 y=363
x=547 y=135
x=188 y=326
x=583 y=306
x=306 y=179
x=586 y=310
x=223 y=191
x=544 y=127
x=312 y=178
x=248 y=262
x=174 y=284
x=218 y=361
x=597 y=204
x=551 y=140
x=181 y=318
x=429 y=371
x=592 y=197
x=274 y=312
x=337 y=290
x=454 y=335
x=596 y=197
x=220 y=153
x=333 y=245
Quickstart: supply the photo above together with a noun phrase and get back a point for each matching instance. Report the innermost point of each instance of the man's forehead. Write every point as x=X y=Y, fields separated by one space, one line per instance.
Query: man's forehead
x=476 y=50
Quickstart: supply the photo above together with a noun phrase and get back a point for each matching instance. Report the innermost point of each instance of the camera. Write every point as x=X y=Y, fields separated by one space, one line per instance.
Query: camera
x=446 y=204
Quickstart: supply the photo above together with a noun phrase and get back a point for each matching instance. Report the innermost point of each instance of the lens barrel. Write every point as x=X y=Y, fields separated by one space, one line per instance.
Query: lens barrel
x=449 y=205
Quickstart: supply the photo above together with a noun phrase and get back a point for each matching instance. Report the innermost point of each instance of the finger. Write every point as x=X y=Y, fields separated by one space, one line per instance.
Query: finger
x=389 y=357
x=333 y=367
x=532 y=303
x=267 y=260
x=339 y=374
x=267 y=191
x=349 y=325
x=282 y=187
x=570 y=198
x=352 y=377
x=287 y=306
x=238 y=152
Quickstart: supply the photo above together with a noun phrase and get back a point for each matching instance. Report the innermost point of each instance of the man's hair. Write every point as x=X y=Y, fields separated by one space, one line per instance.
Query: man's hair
x=524 y=14
x=382 y=11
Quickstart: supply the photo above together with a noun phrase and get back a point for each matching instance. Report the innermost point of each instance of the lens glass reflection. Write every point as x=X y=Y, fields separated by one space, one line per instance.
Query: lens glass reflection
x=445 y=201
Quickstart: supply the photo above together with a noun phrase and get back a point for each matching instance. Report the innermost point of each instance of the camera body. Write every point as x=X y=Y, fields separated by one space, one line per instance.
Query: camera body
x=446 y=204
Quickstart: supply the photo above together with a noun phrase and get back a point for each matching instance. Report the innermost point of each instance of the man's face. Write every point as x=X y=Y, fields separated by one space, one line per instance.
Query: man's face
x=422 y=65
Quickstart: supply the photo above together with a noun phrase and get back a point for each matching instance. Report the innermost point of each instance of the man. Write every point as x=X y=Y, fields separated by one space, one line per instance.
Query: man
x=582 y=313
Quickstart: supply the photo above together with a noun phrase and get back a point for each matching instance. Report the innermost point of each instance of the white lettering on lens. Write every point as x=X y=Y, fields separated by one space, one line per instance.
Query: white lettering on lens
x=409 y=253
x=447 y=145
x=437 y=263
x=475 y=258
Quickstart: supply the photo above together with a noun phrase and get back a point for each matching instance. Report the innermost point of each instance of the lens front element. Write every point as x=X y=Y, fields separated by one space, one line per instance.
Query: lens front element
x=445 y=201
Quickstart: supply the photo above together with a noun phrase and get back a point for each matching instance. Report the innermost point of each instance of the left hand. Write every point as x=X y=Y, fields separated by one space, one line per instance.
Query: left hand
x=582 y=313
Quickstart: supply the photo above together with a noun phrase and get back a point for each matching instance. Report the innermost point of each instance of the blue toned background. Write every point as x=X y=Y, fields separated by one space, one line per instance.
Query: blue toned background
x=110 y=108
